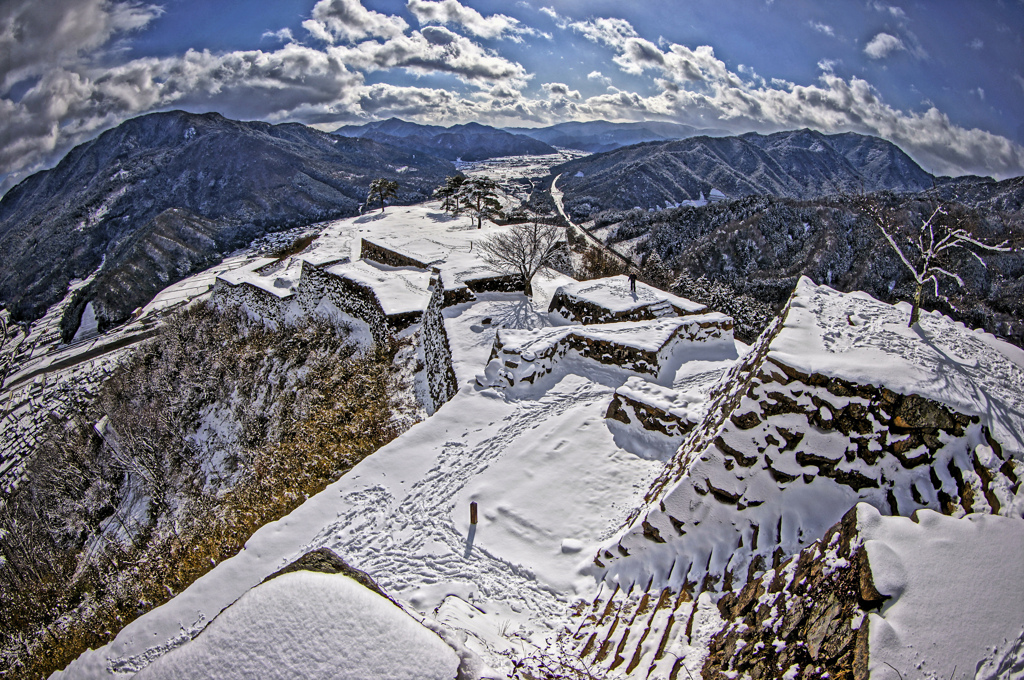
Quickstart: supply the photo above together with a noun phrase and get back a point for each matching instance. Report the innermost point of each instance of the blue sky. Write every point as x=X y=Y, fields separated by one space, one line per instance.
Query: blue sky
x=944 y=80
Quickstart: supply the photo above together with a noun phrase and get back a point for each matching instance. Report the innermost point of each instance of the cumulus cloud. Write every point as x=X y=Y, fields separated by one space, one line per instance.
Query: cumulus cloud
x=38 y=35
x=283 y=35
x=454 y=13
x=349 y=21
x=700 y=89
x=882 y=45
x=823 y=28
x=560 y=90
x=65 y=106
x=430 y=50
x=599 y=77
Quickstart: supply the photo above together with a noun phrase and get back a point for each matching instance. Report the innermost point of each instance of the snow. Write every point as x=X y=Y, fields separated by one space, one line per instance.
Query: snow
x=955 y=589
x=88 y=327
x=542 y=482
x=851 y=335
x=311 y=625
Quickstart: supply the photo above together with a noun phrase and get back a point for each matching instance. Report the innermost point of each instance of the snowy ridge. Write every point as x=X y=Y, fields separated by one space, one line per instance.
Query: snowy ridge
x=783 y=454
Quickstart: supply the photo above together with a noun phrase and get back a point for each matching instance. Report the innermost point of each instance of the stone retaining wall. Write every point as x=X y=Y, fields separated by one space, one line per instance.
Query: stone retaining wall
x=368 y=250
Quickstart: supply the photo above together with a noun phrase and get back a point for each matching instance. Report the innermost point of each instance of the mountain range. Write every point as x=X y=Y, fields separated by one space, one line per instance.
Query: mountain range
x=469 y=142
x=798 y=164
x=163 y=195
x=598 y=136
x=167 y=194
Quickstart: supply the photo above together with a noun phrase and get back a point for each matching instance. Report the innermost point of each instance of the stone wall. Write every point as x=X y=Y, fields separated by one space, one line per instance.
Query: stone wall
x=635 y=408
x=368 y=250
x=258 y=302
x=349 y=296
x=808 y=612
x=780 y=456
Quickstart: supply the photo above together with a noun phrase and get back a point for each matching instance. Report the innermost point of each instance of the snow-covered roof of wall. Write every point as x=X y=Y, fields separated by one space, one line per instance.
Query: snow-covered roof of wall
x=399 y=289
x=613 y=294
x=855 y=337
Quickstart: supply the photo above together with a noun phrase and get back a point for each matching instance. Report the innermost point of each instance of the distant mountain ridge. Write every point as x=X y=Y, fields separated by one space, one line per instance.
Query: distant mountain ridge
x=598 y=136
x=162 y=195
x=468 y=142
x=800 y=164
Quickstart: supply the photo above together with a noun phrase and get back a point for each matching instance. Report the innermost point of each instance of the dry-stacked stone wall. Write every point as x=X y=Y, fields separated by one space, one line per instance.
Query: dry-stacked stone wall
x=807 y=613
x=369 y=250
x=781 y=455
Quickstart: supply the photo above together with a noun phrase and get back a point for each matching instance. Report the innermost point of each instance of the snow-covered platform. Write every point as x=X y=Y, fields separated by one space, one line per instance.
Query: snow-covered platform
x=610 y=299
x=524 y=356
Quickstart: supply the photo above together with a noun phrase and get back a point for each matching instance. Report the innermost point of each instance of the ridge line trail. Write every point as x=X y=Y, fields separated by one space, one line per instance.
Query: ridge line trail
x=396 y=540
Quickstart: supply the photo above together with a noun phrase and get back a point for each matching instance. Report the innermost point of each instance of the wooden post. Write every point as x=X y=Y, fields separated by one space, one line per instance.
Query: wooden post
x=472 y=512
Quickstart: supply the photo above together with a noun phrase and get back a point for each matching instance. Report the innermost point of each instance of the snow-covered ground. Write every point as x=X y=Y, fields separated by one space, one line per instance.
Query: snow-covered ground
x=551 y=477
x=956 y=600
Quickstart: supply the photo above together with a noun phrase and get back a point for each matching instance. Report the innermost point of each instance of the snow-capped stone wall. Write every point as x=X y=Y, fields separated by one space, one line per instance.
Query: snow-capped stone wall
x=369 y=250
x=257 y=301
x=520 y=356
x=784 y=452
x=349 y=296
x=655 y=408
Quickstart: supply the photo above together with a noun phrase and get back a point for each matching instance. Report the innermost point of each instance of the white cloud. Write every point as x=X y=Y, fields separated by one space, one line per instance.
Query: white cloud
x=700 y=89
x=882 y=45
x=560 y=90
x=823 y=28
x=349 y=21
x=283 y=35
x=430 y=50
x=828 y=65
x=453 y=12
x=599 y=77
x=976 y=44
x=39 y=35
x=892 y=10
x=560 y=21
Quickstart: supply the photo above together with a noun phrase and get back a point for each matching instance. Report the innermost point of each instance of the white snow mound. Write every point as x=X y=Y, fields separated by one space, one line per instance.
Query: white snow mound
x=310 y=625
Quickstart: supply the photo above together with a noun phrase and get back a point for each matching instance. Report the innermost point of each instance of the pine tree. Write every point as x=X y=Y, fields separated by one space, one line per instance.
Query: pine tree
x=382 y=189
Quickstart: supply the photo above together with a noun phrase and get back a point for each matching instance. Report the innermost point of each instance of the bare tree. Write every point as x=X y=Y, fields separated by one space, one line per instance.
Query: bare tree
x=523 y=250
x=925 y=250
x=382 y=189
